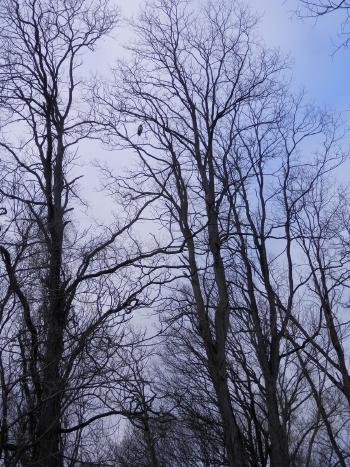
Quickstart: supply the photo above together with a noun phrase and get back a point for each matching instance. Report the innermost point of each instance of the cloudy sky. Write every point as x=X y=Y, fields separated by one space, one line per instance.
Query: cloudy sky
x=309 y=43
x=316 y=65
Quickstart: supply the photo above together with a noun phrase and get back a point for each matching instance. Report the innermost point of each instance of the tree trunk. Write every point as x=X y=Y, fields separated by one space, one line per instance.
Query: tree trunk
x=232 y=436
x=279 y=456
x=48 y=430
x=48 y=451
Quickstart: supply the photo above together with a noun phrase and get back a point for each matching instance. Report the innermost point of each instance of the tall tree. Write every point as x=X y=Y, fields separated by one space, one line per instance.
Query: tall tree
x=58 y=286
x=191 y=84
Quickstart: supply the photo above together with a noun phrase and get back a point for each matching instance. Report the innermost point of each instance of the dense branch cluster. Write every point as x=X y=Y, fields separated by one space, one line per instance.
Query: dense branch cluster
x=205 y=322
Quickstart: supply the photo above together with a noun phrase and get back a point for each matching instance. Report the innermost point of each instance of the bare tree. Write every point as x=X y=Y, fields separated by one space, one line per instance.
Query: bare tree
x=67 y=291
x=188 y=86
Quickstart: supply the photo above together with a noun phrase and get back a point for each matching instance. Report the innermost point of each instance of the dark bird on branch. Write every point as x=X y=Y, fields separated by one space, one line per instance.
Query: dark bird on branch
x=140 y=130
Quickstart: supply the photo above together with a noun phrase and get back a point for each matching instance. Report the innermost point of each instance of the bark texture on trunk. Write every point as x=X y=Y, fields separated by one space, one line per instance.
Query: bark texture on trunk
x=48 y=449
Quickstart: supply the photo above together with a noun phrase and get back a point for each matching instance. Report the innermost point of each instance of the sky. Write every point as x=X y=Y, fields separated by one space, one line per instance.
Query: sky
x=317 y=67
x=310 y=44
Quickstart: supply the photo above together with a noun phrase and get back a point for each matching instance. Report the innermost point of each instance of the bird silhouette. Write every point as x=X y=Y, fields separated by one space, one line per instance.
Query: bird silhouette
x=140 y=130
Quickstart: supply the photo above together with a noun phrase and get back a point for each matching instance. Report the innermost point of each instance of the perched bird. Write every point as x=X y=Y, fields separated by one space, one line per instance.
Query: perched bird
x=139 y=130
